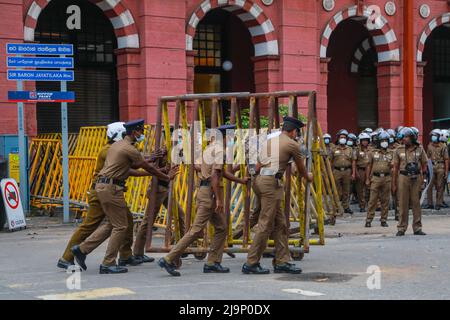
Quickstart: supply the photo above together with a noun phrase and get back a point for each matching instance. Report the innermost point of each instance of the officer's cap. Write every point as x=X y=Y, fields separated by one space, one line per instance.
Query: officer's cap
x=134 y=125
x=297 y=123
x=223 y=129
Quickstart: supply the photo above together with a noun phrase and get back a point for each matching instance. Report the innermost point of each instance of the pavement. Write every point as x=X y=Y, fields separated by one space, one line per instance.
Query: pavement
x=355 y=263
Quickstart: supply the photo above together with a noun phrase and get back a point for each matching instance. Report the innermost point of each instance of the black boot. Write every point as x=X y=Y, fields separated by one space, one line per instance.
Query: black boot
x=215 y=268
x=63 y=264
x=145 y=259
x=384 y=224
x=112 y=269
x=254 y=269
x=131 y=261
x=80 y=257
x=419 y=233
x=362 y=210
x=400 y=233
x=348 y=210
x=429 y=207
x=368 y=225
x=170 y=267
x=287 y=268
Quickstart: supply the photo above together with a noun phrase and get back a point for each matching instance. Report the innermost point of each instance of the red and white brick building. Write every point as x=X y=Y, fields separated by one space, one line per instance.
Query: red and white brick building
x=130 y=52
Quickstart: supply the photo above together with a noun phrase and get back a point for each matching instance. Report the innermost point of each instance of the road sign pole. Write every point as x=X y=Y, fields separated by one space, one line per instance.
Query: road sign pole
x=65 y=151
x=22 y=152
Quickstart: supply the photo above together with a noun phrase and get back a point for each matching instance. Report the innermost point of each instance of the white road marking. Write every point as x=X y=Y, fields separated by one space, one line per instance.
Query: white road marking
x=304 y=292
x=91 y=294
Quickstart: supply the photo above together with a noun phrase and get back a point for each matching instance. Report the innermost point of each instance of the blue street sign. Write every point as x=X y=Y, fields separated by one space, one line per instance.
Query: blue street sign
x=39 y=49
x=38 y=75
x=41 y=96
x=41 y=62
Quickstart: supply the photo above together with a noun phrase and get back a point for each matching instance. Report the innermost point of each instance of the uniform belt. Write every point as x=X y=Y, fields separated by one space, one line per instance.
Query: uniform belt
x=266 y=172
x=342 y=168
x=205 y=183
x=119 y=183
x=381 y=175
x=163 y=183
x=405 y=173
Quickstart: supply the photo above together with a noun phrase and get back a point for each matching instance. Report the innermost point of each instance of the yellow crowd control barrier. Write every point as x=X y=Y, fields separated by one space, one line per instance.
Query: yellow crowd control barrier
x=303 y=203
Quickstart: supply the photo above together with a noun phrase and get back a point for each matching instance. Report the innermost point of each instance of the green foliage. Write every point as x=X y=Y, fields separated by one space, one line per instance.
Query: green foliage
x=264 y=121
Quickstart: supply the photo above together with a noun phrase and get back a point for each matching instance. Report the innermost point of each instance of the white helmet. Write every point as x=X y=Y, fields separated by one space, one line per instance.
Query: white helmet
x=436 y=132
x=363 y=136
x=115 y=131
x=326 y=136
x=368 y=130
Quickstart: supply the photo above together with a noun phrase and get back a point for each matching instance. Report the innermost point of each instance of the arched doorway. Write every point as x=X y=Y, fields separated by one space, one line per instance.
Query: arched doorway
x=436 y=85
x=95 y=84
x=223 y=52
x=351 y=96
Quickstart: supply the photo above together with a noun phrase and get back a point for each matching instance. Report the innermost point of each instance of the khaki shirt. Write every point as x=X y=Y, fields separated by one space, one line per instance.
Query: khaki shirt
x=288 y=149
x=415 y=154
x=342 y=157
x=437 y=154
x=121 y=155
x=362 y=157
x=212 y=159
x=381 y=160
x=100 y=163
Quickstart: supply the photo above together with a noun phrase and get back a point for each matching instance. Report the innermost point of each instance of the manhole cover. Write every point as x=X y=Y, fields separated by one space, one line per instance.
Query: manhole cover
x=319 y=277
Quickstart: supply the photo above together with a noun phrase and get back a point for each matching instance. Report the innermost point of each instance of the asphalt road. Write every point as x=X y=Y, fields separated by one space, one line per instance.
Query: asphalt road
x=411 y=267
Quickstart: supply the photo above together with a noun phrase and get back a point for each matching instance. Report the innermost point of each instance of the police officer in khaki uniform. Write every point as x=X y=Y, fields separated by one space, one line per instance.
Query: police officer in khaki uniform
x=210 y=207
x=362 y=161
x=344 y=168
x=410 y=162
x=110 y=187
x=269 y=188
x=95 y=214
x=378 y=174
x=329 y=145
x=162 y=196
x=438 y=154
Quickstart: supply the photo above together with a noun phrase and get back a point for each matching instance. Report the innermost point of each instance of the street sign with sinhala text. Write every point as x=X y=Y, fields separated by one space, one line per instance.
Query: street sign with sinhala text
x=40 y=62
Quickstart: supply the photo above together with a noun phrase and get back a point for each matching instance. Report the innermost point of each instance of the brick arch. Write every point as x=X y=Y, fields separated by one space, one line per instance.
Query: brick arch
x=121 y=19
x=383 y=36
x=433 y=24
x=252 y=15
x=365 y=46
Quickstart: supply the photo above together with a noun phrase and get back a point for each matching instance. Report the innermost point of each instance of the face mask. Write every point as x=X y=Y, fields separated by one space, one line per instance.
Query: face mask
x=327 y=141
x=140 y=138
x=434 y=139
x=342 y=141
x=350 y=143
x=391 y=140
x=384 y=144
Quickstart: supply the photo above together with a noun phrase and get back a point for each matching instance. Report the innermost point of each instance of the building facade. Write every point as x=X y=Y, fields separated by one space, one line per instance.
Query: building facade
x=130 y=52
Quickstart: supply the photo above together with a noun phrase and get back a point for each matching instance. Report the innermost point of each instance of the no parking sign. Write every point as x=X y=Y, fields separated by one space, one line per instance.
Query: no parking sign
x=13 y=204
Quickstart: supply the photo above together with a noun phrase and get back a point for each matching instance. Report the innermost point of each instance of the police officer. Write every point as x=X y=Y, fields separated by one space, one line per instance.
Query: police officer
x=95 y=214
x=328 y=144
x=438 y=154
x=110 y=188
x=362 y=161
x=379 y=179
x=269 y=188
x=210 y=207
x=445 y=141
x=344 y=168
x=161 y=198
x=410 y=162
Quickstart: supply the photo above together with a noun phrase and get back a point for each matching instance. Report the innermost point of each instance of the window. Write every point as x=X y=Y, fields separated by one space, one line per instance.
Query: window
x=208 y=45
